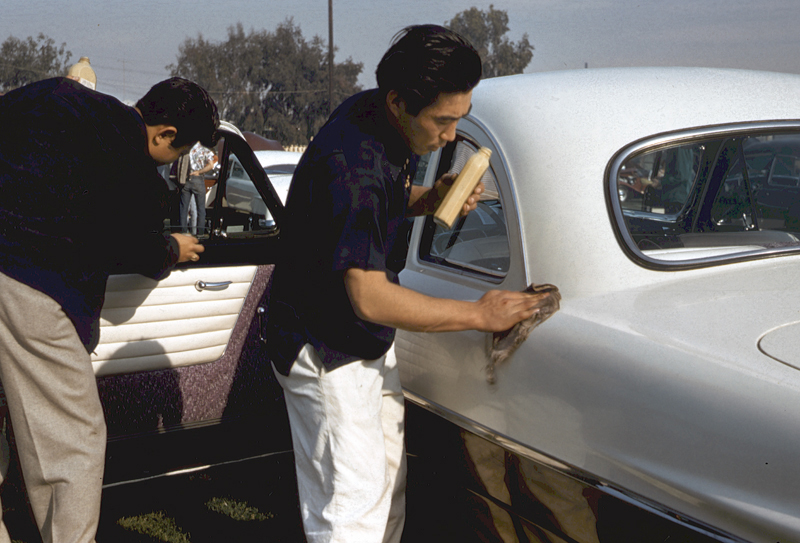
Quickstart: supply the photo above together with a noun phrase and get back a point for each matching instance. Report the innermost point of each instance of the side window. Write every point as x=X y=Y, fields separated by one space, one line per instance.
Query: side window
x=478 y=242
x=714 y=197
x=422 y=169
x=184 y=216
x=732 y=208
x=240 y=207
x=236 y=169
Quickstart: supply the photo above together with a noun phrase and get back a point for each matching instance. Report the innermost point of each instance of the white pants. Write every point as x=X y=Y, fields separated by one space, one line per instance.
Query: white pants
x=348 y=437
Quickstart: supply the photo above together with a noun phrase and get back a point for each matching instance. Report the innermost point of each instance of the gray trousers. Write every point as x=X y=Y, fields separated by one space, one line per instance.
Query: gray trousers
x=55 y=413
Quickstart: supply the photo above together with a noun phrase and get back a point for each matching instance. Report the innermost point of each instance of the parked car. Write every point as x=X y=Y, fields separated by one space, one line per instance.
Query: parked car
x=245 y=207
x=661 y=402
x=260 y=143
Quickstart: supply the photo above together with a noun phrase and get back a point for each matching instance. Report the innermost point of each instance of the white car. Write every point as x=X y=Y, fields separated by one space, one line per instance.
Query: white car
x=661 y=402
x=247 y=208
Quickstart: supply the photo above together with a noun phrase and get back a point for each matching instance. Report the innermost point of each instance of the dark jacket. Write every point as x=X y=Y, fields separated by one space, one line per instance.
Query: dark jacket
x=80 y=196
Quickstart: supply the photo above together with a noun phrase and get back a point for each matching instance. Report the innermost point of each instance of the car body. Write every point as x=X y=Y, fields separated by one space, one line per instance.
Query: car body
x=260 y=143
x=662 y=400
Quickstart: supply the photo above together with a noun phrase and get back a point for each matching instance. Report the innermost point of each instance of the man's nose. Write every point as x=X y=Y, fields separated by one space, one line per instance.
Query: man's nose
x=449 y=133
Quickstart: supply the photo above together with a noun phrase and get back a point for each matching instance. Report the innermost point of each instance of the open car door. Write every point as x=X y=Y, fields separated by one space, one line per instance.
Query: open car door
x=184 y=353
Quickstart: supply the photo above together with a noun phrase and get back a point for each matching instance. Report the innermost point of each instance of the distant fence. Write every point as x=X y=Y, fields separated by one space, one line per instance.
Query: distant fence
x=296 y=148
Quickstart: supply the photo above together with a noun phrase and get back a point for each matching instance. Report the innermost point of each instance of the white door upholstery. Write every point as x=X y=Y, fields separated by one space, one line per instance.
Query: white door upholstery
x=148 y=325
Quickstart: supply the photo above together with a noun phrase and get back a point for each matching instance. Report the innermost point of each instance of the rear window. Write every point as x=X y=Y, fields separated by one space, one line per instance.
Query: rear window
x=713 y=197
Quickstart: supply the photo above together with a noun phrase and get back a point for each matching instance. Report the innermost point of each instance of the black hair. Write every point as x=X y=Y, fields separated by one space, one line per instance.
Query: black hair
x=425 y=61
x=185 y=105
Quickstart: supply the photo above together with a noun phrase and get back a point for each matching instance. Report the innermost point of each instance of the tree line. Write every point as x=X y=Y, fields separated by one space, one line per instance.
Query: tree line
x=30 y=60
x=274 y=83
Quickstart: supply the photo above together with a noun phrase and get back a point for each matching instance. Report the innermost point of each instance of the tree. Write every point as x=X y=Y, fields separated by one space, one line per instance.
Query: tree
x=271 y=83
x=26 y=61
x=486 y=31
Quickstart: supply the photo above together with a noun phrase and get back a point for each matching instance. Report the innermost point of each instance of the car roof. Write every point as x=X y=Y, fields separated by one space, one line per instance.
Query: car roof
x=271 y=158
x=626 y=104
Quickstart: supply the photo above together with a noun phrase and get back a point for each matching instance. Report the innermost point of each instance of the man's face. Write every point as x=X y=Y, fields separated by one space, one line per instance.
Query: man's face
x=435 y=125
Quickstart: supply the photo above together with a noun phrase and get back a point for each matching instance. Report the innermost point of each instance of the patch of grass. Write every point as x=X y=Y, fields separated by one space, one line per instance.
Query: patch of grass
x=156 y=525
x=236 y=510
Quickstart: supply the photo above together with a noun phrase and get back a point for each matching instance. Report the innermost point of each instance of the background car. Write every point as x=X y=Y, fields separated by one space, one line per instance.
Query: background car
x=244 y=205
x=661 y=401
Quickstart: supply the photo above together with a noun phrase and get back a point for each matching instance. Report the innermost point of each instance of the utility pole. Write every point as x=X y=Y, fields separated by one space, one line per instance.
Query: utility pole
x=330 y=57
x=123 y=79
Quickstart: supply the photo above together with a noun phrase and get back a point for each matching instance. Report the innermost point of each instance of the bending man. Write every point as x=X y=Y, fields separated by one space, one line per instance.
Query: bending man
x=80 y=197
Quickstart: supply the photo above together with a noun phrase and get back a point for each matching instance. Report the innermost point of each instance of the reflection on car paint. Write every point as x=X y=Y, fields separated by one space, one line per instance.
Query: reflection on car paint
x=740 y=191
x=513 y=497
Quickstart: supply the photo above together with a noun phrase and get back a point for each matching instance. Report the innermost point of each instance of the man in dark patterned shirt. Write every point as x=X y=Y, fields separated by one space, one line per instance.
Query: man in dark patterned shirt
x=336 y=299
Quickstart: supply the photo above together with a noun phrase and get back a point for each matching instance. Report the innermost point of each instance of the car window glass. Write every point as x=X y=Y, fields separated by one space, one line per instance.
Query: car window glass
x=422 y=169
x=731 y=210
x=659 y=182
x=280 y=169
x=183 y=216
x=478 y=242
x=713 y=198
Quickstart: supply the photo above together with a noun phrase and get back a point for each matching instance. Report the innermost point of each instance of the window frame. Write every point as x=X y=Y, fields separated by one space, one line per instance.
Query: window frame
x=238 y=248
x=669 y=140
x=517 y=276
x=429 y=235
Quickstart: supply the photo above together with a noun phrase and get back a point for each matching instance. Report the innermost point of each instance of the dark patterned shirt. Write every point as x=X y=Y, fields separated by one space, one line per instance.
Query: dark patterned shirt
x=346 y=205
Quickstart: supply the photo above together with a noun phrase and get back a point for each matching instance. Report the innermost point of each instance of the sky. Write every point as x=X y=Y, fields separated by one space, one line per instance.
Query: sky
x=130 y=42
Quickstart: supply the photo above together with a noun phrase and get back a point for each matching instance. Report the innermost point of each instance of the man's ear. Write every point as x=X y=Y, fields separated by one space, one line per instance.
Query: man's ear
x=395 y=103
x=165 y=134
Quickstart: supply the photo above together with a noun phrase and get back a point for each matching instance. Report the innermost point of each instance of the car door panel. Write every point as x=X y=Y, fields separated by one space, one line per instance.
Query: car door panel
x=149 y=325
x=228 y=409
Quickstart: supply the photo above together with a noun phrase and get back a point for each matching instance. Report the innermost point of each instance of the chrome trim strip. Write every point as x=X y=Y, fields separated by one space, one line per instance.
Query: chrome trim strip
x=567 y=470
x=194 y=469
